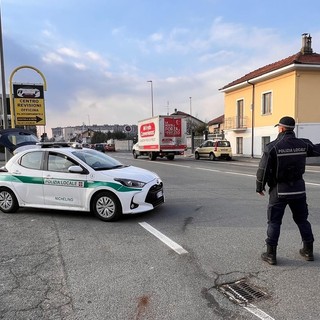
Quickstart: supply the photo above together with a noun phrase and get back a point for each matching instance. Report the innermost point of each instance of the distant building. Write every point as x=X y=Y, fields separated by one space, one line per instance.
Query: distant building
x=216 y=126
x=85 y=131
x=192 y=122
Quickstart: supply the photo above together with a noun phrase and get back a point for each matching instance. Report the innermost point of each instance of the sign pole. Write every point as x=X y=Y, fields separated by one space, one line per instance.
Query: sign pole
x=4 y=95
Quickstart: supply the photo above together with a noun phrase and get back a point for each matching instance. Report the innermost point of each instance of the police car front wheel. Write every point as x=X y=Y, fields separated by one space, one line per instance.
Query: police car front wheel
x=106 y=206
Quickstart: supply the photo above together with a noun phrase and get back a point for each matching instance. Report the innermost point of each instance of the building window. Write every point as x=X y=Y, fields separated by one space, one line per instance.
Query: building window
x=266 y=103
x=239 y=119
x=264 y=142
x=239 y=145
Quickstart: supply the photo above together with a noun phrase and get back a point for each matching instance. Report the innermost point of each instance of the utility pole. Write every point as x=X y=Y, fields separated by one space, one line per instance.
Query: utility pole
x=3 y=81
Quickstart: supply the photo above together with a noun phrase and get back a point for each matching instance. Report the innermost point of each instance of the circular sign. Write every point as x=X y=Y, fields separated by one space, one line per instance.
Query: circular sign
x=127 y=128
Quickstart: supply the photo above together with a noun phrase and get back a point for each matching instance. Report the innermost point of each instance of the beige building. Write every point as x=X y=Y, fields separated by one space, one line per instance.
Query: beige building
x=255 y=102
x=216 y=125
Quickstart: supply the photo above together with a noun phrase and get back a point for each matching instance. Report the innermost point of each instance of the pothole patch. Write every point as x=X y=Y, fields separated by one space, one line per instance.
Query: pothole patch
x=242 y=292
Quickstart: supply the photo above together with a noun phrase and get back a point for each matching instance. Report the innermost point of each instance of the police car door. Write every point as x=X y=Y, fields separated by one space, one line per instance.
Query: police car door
x=28 y=171
x=63 y=189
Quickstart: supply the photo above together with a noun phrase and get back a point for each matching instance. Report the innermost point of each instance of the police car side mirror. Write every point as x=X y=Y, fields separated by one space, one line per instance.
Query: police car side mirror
x=76 y=169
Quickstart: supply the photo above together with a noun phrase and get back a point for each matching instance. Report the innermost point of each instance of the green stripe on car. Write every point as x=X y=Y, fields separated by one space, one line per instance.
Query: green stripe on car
x=86 y=184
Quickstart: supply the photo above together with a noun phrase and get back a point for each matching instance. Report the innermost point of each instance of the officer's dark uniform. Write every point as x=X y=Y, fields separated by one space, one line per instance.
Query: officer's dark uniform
x=282 y=167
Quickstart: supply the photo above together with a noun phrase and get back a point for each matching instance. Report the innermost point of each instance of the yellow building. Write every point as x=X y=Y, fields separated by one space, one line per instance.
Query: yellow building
x=255 y=102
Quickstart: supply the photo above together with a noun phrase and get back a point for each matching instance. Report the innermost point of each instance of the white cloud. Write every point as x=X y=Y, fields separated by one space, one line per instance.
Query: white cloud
x=68 y=52
x=220 y=55
x=155 y=37
x=97 y=58
x=47 y=33
x=53 y=58
x=80 y=66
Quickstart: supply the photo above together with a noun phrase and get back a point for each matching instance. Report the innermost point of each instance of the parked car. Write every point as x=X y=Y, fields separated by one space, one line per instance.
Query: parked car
x=61 y=176
x=214 y=149
x=110 y=147
x=100 y=147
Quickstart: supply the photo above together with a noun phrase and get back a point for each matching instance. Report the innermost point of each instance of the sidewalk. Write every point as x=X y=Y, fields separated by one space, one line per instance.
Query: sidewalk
x=311 y=161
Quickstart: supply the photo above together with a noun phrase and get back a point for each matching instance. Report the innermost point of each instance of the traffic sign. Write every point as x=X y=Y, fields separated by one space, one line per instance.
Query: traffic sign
x=32 y=120
x=29 y=104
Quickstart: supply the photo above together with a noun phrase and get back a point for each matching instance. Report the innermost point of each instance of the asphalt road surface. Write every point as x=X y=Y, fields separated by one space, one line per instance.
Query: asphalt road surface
x=195 y=257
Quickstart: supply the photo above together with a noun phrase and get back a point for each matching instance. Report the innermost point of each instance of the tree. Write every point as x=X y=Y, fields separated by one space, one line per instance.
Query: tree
x=98 y=137
x=119 y=135
x=200 y=129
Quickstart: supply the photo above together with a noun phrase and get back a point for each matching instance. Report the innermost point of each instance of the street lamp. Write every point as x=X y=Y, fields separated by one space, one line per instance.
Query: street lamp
x=190 y=106
x=151 y=87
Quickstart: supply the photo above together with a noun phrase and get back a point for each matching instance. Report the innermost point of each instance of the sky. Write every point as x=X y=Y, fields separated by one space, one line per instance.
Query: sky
x=97 y=56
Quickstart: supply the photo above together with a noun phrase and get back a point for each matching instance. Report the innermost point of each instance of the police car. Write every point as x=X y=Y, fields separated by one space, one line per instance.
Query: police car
x=69 y=177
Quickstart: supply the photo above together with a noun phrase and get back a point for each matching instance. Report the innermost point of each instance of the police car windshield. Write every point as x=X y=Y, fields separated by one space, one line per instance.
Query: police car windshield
x=97 y=160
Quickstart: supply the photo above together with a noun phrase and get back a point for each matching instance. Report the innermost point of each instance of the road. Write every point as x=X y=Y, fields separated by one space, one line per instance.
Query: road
x=171 y=263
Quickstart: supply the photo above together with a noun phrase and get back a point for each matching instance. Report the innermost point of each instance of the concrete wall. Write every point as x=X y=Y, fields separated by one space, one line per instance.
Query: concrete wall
x=123 y=145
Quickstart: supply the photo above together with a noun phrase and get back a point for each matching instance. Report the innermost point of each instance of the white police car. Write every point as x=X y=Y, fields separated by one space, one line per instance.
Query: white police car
x=59 y=176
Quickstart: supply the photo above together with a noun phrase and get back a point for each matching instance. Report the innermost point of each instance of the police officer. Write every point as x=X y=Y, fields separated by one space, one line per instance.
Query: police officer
x=282 y=167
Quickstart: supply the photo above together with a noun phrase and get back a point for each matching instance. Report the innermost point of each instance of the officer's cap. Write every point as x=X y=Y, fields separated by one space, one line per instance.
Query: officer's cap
x=287 y=122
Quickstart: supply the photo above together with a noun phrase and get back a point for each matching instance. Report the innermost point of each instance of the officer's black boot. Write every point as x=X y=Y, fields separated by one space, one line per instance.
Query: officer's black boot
x=307 y=251
x=271 y=255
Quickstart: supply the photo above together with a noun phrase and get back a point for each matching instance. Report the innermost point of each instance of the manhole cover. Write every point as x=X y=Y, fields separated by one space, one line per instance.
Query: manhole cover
x=242 y=292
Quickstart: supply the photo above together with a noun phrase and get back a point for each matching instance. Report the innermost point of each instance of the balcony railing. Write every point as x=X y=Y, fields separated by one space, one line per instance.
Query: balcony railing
x=236 y=123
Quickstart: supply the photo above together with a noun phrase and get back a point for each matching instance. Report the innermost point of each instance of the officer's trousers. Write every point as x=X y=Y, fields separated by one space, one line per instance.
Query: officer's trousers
x=276 y=209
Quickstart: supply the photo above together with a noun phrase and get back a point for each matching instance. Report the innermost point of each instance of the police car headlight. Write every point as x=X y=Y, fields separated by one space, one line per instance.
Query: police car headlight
x=131 y=183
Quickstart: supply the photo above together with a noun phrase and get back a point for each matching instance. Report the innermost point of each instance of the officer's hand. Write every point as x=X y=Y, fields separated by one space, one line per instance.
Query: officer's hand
x=261 y=193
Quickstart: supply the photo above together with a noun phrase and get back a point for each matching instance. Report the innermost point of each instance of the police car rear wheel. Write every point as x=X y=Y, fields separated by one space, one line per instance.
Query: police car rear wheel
x=106 y=206
x=8 y=201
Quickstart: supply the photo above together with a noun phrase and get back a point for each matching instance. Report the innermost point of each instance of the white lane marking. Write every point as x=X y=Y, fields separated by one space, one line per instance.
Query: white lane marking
x=173 y=164
x=257 y=312
x=313 y=184
x=228 y=172
x=173 y=245
x=206 y=169
x=313 y=171
x=241 y=174
x=246 y=175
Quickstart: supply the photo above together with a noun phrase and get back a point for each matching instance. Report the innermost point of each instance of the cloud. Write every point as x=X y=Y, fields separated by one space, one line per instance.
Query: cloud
x=80 y=66
x=93 y=56
x=53 y=58
x=68 y=52
x=155 y=37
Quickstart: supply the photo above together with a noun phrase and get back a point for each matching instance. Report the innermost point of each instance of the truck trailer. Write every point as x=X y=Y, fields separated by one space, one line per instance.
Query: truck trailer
x=161 y=136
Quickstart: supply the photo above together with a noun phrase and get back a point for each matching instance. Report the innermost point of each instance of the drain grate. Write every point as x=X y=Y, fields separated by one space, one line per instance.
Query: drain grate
x=242 y=292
